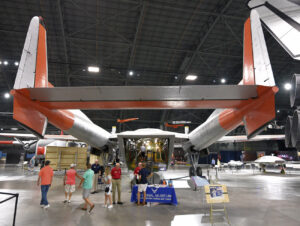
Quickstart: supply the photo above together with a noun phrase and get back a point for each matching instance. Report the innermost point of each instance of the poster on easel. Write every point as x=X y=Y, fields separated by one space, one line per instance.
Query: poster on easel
x=216 y=193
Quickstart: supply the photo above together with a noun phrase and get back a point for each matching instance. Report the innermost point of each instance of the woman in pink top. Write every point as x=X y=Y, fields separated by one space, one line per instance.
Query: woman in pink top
x=69 y=182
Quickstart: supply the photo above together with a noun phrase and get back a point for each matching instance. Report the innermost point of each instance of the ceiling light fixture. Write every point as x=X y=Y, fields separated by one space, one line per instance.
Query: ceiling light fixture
x=223 y=80
x=287 y=86
x=7 y=95
x=14 y=129
x=16 y=63
x=191 y=77
x=0 y=62
x=278 y=111
x=5 y=63
x=93 y=69
x=131 y=73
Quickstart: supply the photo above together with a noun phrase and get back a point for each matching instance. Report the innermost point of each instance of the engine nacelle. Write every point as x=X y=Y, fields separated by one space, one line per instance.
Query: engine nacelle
x=295 y=130
x=288 y=127
x=295 y=91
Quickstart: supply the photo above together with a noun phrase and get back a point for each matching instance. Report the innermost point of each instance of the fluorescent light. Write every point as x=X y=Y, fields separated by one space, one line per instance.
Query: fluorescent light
x=131 y=73
x=5 y=63
x=223 y=80
x=287 y=86
x=6 y=95
x=16 y=63
x=191 y=77
x=14 y=129
x=93 y=69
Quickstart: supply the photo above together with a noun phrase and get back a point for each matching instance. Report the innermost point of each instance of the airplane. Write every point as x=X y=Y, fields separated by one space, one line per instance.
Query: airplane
x=251 y=102
x=270 y=160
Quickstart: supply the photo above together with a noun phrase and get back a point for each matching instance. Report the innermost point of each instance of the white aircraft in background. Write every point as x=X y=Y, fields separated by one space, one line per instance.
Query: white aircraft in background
x=251 y=102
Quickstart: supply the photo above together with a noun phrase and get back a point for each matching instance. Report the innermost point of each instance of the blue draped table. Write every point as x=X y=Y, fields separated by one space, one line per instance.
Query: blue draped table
x=156 y=194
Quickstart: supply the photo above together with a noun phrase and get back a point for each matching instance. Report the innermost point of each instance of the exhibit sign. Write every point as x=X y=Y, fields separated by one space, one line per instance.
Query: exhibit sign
x=216 y=193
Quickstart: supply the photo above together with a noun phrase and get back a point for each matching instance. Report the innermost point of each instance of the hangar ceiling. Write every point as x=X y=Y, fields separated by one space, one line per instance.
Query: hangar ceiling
x=160 y=41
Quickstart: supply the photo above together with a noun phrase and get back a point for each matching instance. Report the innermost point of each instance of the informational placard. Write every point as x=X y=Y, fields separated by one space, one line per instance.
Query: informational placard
x=216 y=193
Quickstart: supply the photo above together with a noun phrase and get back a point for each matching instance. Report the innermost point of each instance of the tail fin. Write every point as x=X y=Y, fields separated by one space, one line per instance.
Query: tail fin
x=32 y=72
x=257 y=70
x=281 y=19
x=33 y=67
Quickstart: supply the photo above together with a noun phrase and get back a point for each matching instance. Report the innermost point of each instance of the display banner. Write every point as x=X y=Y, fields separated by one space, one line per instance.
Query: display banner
x=156 y=194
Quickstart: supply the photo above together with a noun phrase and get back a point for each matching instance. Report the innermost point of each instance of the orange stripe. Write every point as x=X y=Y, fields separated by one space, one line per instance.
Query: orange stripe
x=6 y=142
x=248 y=68
x=41 y=79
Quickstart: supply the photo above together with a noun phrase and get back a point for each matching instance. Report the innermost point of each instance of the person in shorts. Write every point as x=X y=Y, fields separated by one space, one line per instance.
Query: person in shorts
x=69 y=182
x=108 y=187
x=87 y=181
x=144 y=175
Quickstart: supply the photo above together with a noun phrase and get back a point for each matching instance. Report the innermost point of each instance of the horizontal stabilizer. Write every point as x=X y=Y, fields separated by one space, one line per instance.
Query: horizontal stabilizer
x=143 y=97
x=144 y=93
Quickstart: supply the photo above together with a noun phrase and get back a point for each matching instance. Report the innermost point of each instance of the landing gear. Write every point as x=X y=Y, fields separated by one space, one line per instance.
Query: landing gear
x=192 y=171
x=199 y=171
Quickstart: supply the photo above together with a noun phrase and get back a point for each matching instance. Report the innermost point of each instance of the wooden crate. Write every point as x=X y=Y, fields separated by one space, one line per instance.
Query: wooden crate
x=62 y=157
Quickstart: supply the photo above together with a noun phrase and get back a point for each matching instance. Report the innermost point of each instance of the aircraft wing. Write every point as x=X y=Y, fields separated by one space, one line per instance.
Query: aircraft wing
x=19 y=135
x=229 y=139
x=31 y=136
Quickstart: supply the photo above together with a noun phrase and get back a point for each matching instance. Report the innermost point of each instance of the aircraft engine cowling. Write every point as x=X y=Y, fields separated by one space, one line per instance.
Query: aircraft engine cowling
x=288 y=126
x=295 y=91
x=295 y=130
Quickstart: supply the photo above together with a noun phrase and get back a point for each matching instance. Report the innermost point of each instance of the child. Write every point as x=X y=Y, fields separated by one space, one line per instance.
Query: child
x=108 y=187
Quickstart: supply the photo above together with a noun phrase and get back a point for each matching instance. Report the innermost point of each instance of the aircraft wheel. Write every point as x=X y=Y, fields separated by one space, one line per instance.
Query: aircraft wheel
x=199 y=171
x=192 y=171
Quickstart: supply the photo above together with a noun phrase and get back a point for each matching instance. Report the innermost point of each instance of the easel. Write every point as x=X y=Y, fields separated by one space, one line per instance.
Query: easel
x=216 y=194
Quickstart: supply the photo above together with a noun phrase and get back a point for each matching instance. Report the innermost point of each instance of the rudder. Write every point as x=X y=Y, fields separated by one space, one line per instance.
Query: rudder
x=33 y=67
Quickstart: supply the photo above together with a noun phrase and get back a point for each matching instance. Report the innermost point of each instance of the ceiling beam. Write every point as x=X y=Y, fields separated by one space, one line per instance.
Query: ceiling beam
x=188 y=60
x=62 y=27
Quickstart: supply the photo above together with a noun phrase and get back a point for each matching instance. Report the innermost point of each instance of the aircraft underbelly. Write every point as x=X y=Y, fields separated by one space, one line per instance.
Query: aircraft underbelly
x=89 y=133
x=208 y=133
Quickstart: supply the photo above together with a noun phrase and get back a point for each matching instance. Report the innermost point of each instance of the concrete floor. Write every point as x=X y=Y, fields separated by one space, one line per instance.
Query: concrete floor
x=255 y=199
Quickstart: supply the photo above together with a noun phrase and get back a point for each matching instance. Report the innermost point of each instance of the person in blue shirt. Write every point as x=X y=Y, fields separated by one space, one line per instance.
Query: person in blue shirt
x=213 y=162
x=144 y=175
x=87 y=180
x=97 y=173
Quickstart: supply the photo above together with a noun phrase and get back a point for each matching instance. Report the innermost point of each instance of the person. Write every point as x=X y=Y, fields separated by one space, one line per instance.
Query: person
x=143 y=152
x=69 y=182
x=96 y=168
x=213 y=162
x=116 y=183
x=108 y=187
x=136 y=175
x=32 y=163
x=87 y=181
x=144 y=175
x=45 y=179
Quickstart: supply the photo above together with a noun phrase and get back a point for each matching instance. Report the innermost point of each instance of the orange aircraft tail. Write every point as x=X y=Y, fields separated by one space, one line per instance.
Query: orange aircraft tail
x=32 y=72
x=257 y=70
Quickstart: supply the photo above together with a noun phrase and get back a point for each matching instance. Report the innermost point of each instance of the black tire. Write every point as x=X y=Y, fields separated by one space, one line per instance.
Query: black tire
x=199 y=171
x=192 y=171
